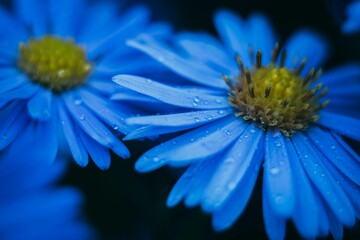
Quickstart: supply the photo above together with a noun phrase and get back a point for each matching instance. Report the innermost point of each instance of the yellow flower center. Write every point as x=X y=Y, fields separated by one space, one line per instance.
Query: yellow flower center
x=275 y=97
x=54 y=63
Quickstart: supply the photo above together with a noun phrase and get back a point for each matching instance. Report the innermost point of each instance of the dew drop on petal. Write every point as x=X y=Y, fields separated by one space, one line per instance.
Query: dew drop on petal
x=196 y=120
x=82 y=117
x=196 y=99
x=274 y=170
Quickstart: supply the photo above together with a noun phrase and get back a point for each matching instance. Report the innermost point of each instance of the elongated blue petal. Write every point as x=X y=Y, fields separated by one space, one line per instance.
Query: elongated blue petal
x=335 y=153
x=208 y=50
x=278 y=180
x=343 y=125
x=341 y=76
x=192 y=182
x=106 y=111
x=202 y=142
x=99 y=154
x=23 y=92
x=40 y=105
x=306 y=44
x=233 y=32
x=181 y=119
x=65 y=16
x=12 y=121
x=11 y=81
x=34 y=14
x=189 y=69
x=71 y=134
x=304 y=218
x=225 y=216
x=274 y=225
x=324 y=182
x=234 y=168
x=171 y=95
x=352 y=24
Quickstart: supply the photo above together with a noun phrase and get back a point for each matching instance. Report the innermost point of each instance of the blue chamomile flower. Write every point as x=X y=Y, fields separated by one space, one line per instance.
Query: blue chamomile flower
x=31 y=207
x=56 y=63
x=352 y=22
x=265 y=107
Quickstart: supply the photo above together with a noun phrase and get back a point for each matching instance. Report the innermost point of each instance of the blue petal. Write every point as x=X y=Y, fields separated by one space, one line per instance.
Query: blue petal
x=304 y=218
x=106 y=111
x=323 y=181
x=150 y=131
x=336 y=228
x=34 y=14
x=71 y=134
x=341 y=76
x=278 y=181
x=262 y=36
x=322 y=213
x=200 y=143
x=334 y=152
x=40 y=105
x=23 y=92
x=352 y=24
x=129 y=25
x=208 y=50
x=11 y=80
x=189 y=69
x=346 y=146
x=13 y=119
x=105 y=87
x=93 y=126
x=65 y=16
x=233 y=32
x=244 y=156
x=171 y=95
x=306 y=44
x=275 y=226
x=180 y=119
x=224 y=217
x=99 y=154
x=11 y=37
x=103 y=24
x=188 y=184
x=343 y=125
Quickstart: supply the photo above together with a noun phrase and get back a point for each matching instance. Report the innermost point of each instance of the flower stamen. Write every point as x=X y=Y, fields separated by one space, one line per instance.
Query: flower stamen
x=275 y=97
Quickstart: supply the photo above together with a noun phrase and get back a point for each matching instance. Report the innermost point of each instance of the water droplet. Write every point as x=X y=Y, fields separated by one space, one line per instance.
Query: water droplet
x=191 y=139
x=148 y=80
x=276 y=135
x=78 y=101
x=252 y=131
x=217 y=100
x=227 y=132
x=231 y=186
x=174 y=142
x=4 y=136
x=194 y=104
x=279 y=199
x=115 y=126
x=196 y=99
x=221 y=112
x=278 y=144
x=62 y=122
x=274 y=170
x=306 y=156
x=206 y=102
x=196 y=120
x=156 y=159
x=209 y=117
x=207 y=131
x=82 y=117
x=333 y=147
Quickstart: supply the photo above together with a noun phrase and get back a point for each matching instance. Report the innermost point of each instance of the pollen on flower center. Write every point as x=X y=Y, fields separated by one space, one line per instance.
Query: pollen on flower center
x=54 y=63
x=274 y=96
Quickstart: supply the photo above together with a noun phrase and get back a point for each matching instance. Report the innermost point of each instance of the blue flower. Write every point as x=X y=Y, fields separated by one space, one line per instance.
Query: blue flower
x=32 y=207
x=262 y=108
x=352 y=23
x=56 y=63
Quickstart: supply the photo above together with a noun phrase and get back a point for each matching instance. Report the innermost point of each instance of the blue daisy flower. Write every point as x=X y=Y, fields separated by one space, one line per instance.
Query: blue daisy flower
x=352 y=23
x=32 y=207
x=265 y=107
x=56 y=63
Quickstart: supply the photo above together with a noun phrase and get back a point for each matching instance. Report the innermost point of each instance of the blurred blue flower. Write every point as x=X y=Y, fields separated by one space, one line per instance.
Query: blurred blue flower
x=352 y=22
x=263 y=107
x=56 y=63
x=32 y=207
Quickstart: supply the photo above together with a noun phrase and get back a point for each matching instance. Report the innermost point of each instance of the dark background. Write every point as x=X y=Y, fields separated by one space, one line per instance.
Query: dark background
x=122 y=204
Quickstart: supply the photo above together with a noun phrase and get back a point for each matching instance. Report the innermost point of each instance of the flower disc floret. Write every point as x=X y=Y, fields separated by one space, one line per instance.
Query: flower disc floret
x=276 y=97
x=54 y=63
